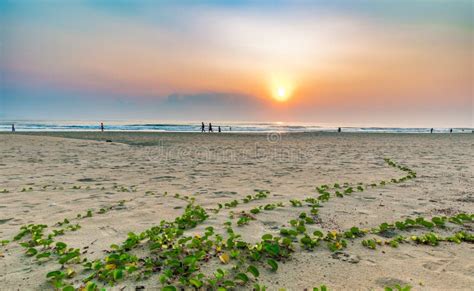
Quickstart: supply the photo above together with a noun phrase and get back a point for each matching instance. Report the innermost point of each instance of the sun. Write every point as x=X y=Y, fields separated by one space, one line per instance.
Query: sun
x=281 y=94
x=281 y=87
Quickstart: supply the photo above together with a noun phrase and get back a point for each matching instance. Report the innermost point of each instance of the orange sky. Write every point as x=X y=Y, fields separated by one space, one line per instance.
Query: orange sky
x=397 y=58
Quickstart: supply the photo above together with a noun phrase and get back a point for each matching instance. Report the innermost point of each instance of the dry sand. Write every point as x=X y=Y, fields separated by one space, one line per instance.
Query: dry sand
x=217 y=168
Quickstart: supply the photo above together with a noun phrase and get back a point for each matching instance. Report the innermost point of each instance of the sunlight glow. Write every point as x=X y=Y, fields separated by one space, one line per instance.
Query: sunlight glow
x=281 y=94
x=281 y=88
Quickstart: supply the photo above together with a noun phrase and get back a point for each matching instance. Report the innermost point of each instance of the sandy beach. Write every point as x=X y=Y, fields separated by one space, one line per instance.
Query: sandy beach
x=133 y=178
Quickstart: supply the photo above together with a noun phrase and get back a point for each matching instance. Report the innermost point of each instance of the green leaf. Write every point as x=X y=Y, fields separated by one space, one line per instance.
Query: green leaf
x=68 y=257
x=228 y=283
x=189 y=260
x=31 y=252
x=258 y=287
x=69 y=288
x=273 y=264
x=114 y=246
x=241 y=276
x=253 y=270
x=196 y=283
x=400 y=225
x=427 y=224
x=318 y=233
x=54 y=274
x=43 y=255
x=60 y=245
x=118 y=274
x=169 y=288
x=267 y=237
x=219 y=274
x=273 y=249
x=163 y=278
x=91 y=286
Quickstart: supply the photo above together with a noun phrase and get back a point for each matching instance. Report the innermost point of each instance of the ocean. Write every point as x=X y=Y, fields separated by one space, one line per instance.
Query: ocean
x=234 y=127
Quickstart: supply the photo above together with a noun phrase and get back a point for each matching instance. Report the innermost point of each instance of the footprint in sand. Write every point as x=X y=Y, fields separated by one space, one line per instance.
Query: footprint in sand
x=469 y=271
x=403 y=256
x=224 y=193
x=270 y=224
x=444 y=254
x=370 y=262
x=345 y=257
x=164 y=178
x=435 y=266
x=3 y=221
x=108 y=230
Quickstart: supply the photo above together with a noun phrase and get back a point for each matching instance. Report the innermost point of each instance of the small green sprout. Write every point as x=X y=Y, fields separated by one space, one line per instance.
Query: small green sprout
x=296 y=203
x=398 y=288
x=273 y=265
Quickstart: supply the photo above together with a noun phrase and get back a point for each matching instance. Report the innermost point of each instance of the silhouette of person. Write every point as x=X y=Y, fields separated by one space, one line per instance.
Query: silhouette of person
x=339 y=129
x=219 y=128
x=203 y=129
x=210 y=127
x=230 y=128
x=13 y=127
x=102 y=126
x=431 y=131
x=450 y=130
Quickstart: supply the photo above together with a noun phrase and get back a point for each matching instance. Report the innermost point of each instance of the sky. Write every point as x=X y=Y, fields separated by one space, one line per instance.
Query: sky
x=376 y=63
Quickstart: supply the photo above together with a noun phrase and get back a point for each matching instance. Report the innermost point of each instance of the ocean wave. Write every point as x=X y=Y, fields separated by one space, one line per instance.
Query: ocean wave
x=244 y=127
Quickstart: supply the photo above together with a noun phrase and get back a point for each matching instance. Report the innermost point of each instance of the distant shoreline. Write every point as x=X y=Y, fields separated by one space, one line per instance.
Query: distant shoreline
x=194 y=126
x=144 y=132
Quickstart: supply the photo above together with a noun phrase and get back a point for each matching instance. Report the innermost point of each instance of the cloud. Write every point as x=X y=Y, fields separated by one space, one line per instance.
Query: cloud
x=218 y=105
x=213 y=99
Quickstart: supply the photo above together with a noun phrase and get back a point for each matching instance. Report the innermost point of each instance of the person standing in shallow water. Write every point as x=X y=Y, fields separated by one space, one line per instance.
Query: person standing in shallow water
x=203 y=129
x=450 y=130
x=13 y=127
x=339 y=129
x=219 y=128
x=102 y=126
x=431 y=131
x=210 y=127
